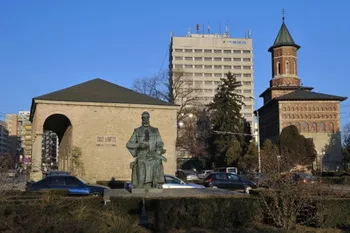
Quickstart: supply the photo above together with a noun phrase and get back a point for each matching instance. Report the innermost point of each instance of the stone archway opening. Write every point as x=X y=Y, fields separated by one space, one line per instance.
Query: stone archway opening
x=56 y=142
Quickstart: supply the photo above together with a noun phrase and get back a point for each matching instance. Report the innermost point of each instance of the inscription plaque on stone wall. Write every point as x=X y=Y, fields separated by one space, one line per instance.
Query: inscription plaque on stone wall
x=106 y=140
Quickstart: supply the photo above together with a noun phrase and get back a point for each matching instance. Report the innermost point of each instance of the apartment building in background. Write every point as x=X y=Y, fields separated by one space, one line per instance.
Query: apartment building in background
x=24 y=132
x=205 y=58
x=49 y=150
x=4 y=134
x=14 y=141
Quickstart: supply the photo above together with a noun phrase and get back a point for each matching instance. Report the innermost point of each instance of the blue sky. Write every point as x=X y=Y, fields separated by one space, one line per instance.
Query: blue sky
x=49 y=45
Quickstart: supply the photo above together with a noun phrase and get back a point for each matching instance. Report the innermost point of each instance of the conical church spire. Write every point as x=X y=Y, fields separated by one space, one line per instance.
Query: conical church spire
x=284 y=38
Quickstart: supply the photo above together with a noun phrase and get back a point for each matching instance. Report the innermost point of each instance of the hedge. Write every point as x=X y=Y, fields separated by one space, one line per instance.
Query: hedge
x=184 y=213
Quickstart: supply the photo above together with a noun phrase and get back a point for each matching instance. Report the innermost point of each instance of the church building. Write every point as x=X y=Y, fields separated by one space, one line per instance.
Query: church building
x=287 y=102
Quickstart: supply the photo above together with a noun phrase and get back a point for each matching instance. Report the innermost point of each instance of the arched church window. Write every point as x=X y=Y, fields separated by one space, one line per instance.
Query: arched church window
x=322 y=127
x=314 y=127
x=331 y=127
x=278 y=68
x=305 y=127
x=287 y=67
x=297 y=124
x=294 y=67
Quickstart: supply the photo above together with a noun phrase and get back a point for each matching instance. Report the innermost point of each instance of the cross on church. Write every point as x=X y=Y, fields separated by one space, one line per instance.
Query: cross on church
x=283 y=13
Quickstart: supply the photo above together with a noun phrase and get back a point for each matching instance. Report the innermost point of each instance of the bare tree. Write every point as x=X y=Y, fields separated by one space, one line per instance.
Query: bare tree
x=170 y=86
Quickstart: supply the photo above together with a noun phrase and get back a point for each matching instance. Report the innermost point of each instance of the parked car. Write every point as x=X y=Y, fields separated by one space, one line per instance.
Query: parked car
x=186 y=175
x=204 y=173
x=73 y=184
x=228 y=181
x=172 y=182
x=233 y=170
x=57 y=173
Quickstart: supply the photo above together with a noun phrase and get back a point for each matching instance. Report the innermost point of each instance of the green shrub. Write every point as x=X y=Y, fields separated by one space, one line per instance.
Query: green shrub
x=333 y=212
x=184 y=213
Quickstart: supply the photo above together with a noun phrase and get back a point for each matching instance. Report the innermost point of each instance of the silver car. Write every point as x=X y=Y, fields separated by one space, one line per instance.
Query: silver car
x=172 y=182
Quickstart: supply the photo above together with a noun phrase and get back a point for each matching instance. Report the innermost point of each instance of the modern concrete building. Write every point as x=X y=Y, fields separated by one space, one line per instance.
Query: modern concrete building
x=14 y=141
x=287 y=102
x=205 y=58
x=24 y=132
x=4 y=134
x=50 y=150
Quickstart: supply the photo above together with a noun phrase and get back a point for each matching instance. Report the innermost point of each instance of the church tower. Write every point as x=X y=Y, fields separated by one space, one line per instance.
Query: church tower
x=284 y=64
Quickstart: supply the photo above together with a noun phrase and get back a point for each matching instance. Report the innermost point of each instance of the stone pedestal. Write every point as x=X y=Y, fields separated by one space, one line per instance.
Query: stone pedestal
x=149 y=190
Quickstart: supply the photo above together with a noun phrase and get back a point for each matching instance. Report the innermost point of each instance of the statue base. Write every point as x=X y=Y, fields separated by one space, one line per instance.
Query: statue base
x=145 y=190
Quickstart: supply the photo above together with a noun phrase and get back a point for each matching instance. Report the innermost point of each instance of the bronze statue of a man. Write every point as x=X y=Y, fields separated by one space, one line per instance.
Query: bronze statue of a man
x=146 y=146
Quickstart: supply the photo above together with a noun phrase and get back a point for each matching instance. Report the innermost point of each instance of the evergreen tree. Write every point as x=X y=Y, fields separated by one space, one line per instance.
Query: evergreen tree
x=269 y=153
x=227 y=122
x=249 y=161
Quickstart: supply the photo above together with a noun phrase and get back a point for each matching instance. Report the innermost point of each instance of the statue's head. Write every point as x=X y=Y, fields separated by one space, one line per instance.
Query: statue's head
x=145 y=119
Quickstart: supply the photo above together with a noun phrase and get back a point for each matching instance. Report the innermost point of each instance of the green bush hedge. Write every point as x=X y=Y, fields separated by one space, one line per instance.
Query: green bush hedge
x=333 y=212
x=184 y=213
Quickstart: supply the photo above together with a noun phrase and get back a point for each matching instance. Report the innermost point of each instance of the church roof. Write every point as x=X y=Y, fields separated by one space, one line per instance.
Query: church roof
x=100 y=91
x=309 y=95
x=284 y=38
x=286 y=88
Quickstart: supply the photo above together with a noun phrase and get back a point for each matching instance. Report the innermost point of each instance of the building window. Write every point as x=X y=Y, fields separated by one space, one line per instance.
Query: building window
x=207 y=59
x=189 y=66
x=188 y=50
x=217 y=82
x=207 y=50
x=218 y=75
x=236 y=51
x=217 y=51
x=198 y=82
x=322 y=127
x=178 y=66
x=331 y=127
x=237 y=75
x=246 y=59
x=247 y=91
x=207 y=74
x=246 y=67
x=217 y=58
x=198 y=50
x=208 y=82
x=247 y=75
x=178 y=58
x=227 y=67
x=217 y=67
x=278 y=68
x=237 y=67
x=198 y=74
x=207 y=66
x=208 y=90
x=247 y=83
x=246 y=51
x=188 y=58
x=247 y=114
x=237 y=59
x=178 y=50
x=198 y=66
x=314 y=127
x=190 y=83
x=287 y=67
x=227 y=51
x=198 y=59
x=227 y=59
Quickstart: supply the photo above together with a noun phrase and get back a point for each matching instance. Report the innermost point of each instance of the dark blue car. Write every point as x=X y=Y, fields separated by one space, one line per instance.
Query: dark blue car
x=73 y=184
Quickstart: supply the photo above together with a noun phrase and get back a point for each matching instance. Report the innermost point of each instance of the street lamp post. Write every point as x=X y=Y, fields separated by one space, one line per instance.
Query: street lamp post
x=258 y=140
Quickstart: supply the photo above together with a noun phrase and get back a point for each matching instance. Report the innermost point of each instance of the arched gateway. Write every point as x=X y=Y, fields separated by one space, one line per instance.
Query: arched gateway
x=93 y=122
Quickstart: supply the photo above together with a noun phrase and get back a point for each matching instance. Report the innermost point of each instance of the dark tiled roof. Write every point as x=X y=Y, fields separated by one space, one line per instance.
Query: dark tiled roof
x=284 y=38
x=286 y=88
x=309 y=95
x=101 y=91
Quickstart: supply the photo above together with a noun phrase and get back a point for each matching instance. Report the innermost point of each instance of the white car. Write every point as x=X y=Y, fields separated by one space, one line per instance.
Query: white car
x=204 y=173
x=172 y=182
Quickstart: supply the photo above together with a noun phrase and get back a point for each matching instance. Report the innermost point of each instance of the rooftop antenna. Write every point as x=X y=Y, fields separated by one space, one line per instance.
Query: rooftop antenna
x=203 y=28
x=197 y=28
x=283 y=13
x=226 y=29
x=208 y=29
x=188 y=31
x=249 y=33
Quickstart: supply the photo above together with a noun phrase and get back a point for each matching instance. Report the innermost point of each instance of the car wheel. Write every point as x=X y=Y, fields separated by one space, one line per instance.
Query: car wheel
x=247 y=189
x=212 y=186
x=96 y=194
